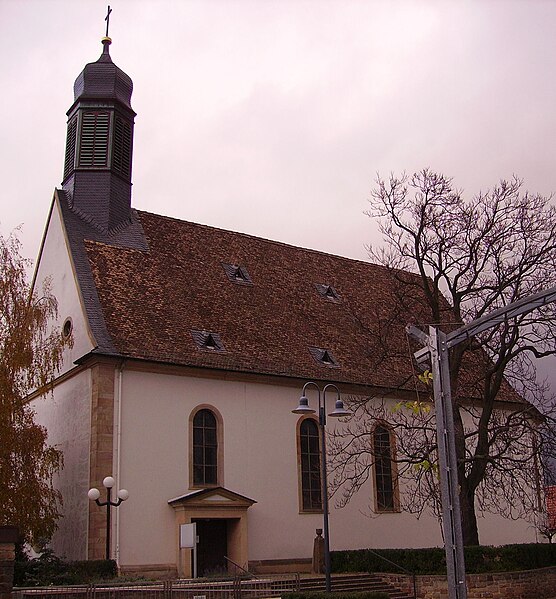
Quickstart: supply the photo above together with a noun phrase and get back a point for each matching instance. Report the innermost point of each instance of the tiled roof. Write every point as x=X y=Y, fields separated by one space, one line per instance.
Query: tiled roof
x=156 y=302
x=79 y=228
x=152 y=302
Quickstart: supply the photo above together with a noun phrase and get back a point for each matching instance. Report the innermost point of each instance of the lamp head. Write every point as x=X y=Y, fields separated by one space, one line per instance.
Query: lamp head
x=93 y=494
x=108 y=482
x=303 y=407
x=339 y=410
x=123 y=494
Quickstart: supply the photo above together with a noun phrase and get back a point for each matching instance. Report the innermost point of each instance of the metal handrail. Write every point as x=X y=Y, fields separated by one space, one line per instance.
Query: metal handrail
x=238 y=566
x=412 y=574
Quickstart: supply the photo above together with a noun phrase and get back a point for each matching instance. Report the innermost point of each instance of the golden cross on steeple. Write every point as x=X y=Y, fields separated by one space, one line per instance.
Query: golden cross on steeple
x=107 y=19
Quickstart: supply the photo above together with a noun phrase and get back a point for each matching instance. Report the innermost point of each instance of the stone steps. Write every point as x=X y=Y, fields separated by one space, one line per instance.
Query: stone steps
x=352 y=582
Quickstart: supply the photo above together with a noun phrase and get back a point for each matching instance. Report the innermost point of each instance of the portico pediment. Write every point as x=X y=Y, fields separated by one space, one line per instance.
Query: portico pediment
x=215 y=497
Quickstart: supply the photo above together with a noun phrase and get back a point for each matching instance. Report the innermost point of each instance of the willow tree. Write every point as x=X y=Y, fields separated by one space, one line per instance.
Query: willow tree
x=30 y=355
x=467 y=258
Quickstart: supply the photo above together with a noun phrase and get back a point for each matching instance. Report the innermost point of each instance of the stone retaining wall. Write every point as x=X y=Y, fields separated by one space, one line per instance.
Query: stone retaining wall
x=529 y=584
x=8 y=538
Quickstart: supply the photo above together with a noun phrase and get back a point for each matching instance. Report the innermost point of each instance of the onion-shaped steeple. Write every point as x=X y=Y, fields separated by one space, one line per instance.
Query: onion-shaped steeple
x=97 y=168
x=103 y=79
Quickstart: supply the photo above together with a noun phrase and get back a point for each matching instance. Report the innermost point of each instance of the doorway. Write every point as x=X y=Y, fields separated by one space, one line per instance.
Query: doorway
x=221 y=517
x=212 y=546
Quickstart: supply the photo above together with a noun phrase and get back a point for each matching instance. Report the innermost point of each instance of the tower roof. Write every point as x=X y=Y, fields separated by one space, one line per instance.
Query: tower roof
x=103 y=79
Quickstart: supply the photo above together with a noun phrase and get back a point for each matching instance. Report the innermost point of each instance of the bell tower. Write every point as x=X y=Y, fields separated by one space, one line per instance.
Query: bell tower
x=99 y=144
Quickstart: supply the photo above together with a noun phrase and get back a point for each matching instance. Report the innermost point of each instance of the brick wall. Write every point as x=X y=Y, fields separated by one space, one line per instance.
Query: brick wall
x=529 y=584
x=550 y=493
x=8 y=537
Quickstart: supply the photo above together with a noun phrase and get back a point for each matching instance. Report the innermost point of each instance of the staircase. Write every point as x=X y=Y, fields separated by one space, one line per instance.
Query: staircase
x=352 y=582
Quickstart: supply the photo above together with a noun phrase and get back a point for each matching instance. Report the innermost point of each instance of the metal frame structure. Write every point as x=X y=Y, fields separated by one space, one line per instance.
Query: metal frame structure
x=437 y=345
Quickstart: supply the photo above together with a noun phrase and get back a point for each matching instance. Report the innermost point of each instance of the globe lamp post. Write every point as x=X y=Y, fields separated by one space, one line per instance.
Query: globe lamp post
x=94 y=495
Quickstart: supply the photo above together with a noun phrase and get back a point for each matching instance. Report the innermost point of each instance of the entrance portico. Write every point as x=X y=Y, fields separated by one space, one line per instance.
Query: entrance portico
x=221 y=517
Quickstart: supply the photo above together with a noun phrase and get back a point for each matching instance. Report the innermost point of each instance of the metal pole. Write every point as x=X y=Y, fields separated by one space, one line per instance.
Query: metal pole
x=338 y=412
x=451 y=512
x=195 y=554
x=108 y=506
x=322 y=422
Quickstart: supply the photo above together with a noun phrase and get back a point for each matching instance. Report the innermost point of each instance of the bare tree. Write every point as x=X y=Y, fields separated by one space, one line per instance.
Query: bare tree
x=468 y=258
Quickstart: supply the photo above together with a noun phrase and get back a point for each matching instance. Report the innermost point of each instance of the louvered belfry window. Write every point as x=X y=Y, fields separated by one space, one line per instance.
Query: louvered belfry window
x=93 y=151
x=121 y=154
x=69 y=162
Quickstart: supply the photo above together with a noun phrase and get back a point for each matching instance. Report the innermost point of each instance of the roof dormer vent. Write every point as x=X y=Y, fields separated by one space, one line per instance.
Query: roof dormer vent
x=327 y=292
x=324 y=356
x=237 y=274
x=208 y=341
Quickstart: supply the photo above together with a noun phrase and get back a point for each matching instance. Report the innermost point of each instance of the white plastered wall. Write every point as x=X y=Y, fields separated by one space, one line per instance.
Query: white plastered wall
x=54 y=264
x=66 y=412
x=260 y=462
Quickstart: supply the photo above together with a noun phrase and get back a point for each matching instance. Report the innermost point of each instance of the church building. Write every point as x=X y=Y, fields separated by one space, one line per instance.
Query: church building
x=191 y=346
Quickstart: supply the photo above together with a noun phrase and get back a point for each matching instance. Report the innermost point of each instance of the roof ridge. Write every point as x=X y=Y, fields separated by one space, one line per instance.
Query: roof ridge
x=274 y=242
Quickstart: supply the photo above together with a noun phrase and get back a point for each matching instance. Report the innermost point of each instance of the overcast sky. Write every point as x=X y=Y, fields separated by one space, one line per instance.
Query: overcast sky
x=273 y=117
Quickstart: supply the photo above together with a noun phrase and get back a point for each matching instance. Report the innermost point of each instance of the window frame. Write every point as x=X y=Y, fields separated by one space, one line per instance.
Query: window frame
x=395 y=508
x=94 y=138
x=70 y=156
x=302 y=508
x=121 y=146
x=219 y=448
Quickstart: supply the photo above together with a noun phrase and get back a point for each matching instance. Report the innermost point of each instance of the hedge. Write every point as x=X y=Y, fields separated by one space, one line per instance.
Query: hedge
x=51 y=570
x=506 y=558
x=48 y=569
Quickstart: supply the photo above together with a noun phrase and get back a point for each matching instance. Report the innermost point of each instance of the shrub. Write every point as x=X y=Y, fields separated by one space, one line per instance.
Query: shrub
x=506 y=558
x=48 y=569
x=418 y=561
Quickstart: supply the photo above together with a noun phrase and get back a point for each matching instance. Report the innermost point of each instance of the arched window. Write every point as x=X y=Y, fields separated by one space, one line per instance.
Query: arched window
x=205 y=448
x=309 y=466
x=384 y=473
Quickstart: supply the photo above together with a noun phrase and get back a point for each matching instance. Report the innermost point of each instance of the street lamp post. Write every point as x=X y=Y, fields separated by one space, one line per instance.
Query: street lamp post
x=338 y=412
x=94 y=495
